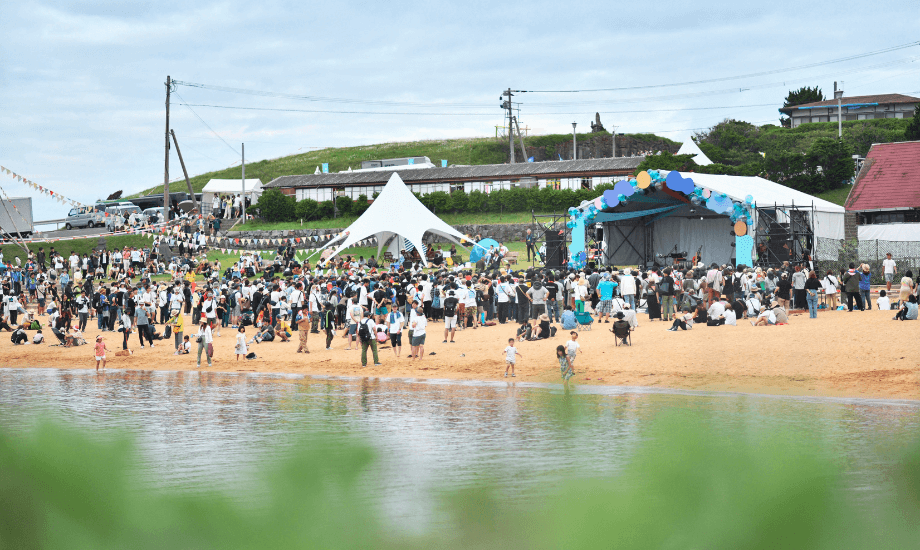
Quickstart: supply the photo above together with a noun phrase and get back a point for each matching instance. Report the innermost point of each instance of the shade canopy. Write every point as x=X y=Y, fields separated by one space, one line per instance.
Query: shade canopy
x=397 y=219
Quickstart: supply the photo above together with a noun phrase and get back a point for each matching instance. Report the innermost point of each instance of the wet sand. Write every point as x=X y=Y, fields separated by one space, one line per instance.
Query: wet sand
x=840 y=354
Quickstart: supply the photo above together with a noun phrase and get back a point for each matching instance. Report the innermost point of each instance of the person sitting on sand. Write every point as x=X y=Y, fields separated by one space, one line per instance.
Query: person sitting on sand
x=765 y=318
x=908 y=311
x=782 y=317
x=568 y=319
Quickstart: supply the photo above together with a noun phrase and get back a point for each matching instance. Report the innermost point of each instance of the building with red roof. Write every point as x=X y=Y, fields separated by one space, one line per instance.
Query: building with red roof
x=884 y=202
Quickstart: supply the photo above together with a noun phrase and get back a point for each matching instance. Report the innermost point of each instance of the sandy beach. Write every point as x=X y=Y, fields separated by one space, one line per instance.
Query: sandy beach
x=840 y=354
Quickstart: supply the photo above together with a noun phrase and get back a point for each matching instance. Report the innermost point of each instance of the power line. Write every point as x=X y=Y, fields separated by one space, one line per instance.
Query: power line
x=737 y=77
x=322 y=99
x=466 y=114
x=689 y=95
x=237 y=153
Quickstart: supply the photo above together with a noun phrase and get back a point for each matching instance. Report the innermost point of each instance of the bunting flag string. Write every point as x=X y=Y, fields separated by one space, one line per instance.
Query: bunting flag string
x=40 y=188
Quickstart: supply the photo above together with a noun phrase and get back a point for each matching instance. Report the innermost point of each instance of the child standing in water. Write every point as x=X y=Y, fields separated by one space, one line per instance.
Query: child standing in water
x=510 y=353
x=240 y=342
x=565 y=364
x=571 y=348
x=100 y=350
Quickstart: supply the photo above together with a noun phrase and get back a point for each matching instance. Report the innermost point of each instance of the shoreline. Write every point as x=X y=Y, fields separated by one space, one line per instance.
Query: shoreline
x=840 y=354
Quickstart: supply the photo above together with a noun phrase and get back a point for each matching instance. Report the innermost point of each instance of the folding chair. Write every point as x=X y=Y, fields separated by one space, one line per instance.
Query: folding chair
x=622 y=334
x=584 y=320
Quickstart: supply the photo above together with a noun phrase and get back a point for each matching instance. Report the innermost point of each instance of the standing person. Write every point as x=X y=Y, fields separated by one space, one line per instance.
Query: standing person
x=302 y=321
x=205 y=343
x=241 y=343
x=783 y=289
x=565 y=366
x=851 y=285
x=907 y=286
x=553 y=294
x=178 y=326
x=419 y=324
x=811 y=294
x=328 y=324
x=666 y=291
x=505 y=294
x=605 y=290
x=395 y=322
x=450 y=316
x=865 y=285
x=82 y=309
x=367 y=333
x=831 y=285
x=511 y=354
x=530 y=240
x=125 y=329
x=572 y=347
x=798 y=288
x=652 y=306
x=143 y=326
x=891 y=267
x=100 y=350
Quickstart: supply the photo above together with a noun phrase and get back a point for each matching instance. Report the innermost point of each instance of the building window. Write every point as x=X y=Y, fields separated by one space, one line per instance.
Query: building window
x=554 y=184
x=586 y=183
x=456 y=188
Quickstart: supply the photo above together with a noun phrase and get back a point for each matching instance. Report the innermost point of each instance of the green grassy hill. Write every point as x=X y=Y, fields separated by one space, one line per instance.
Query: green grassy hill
x=455 y=151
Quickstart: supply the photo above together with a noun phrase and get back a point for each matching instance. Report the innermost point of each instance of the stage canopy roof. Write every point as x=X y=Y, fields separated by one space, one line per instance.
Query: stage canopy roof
x=764 y=191
x=395 y=213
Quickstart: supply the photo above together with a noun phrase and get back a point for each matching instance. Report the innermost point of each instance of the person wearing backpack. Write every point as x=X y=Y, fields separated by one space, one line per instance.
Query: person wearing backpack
x=666 y=292
x=450 y=316
x=367 y=332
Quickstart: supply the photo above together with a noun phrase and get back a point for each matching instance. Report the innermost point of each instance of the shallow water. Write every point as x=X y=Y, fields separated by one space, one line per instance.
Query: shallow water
x=202 y=430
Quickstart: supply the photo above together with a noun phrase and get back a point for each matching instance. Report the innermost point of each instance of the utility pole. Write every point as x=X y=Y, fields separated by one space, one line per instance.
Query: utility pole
x=613 y=138
x=521 y=138
x=838 y=95
x=574 y=143
x=506 y=104
x=188 y=183
x=243 y=197
x=166 y=167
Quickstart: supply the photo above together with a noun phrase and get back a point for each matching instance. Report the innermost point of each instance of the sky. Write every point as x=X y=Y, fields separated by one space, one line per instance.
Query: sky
x=82 y=82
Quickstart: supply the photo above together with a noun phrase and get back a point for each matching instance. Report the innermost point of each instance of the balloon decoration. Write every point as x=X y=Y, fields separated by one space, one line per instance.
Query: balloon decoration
x=741 y=213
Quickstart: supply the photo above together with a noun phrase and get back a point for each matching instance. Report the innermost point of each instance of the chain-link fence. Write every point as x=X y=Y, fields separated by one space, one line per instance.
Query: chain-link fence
x=836 y=255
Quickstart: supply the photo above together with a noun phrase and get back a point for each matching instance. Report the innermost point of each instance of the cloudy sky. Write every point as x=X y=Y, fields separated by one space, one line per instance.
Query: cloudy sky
x=82 y=82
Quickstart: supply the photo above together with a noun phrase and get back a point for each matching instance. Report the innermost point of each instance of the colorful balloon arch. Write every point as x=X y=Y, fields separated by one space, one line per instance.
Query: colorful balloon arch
x=740 y=213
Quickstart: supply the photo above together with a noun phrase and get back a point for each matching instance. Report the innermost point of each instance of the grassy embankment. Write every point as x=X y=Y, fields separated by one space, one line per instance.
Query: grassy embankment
x=472 y=151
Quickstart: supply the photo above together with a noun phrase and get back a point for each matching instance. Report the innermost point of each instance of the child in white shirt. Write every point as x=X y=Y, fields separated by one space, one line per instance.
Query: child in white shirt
x=510 y=356
x=883 y=302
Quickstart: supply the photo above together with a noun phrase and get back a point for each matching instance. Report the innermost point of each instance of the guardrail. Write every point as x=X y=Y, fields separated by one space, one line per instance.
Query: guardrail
x=57 y=223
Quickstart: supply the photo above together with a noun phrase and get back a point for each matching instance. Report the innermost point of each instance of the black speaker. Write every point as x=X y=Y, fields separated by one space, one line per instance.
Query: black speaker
x=555 y=249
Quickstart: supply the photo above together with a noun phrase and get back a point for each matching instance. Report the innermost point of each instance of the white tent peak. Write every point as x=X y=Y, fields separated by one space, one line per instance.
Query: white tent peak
x=689 y=147
x=394 y=215
x=317 y=171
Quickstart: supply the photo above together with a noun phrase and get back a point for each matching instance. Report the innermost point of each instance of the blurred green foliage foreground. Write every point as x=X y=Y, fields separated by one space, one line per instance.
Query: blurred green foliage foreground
x=687 y=485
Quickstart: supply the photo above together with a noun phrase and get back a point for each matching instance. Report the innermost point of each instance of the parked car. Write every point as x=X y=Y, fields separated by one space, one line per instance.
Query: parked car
x=83 y=216
x=117 y=216
x=153 y=215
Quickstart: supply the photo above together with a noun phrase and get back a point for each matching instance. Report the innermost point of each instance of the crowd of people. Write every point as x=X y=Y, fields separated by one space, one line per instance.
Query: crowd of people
x=277 y=299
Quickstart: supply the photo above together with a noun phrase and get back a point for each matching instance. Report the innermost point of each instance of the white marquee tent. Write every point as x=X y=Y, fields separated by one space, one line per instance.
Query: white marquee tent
x=229 y=187
x=690 y=147
x=395 y=217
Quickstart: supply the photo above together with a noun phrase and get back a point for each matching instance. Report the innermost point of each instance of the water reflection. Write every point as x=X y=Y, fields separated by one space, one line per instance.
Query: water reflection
x=204 y=429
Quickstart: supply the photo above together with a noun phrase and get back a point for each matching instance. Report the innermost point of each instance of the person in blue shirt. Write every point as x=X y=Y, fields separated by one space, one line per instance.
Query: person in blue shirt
x=568 y=319
x=865 y=281
x=605 y=291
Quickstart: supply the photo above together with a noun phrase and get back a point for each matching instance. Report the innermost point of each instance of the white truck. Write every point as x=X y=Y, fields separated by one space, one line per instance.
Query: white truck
x=16 y=217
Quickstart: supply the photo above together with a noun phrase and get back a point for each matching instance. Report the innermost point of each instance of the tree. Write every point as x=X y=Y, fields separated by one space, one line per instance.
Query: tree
x=835 y=158
x=800 y=97
x=305 y=209
x=667 y=161
x=274 y=206
x=912 y=133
